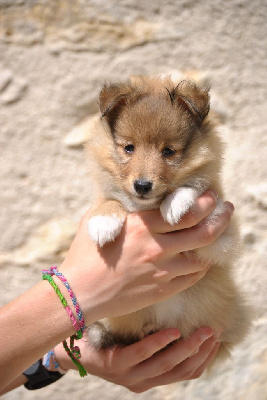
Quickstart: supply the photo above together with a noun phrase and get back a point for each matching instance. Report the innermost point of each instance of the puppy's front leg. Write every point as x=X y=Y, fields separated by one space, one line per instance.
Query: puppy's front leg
x=106 y=222
x=178 y=203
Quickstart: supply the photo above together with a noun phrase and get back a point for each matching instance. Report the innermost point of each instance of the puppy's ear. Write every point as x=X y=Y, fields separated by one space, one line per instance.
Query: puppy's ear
x=112 y=99
x=193 y=99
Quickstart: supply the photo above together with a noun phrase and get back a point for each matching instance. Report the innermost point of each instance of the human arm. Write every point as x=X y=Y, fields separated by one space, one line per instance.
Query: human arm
x=145 y=364
x=152 y=361
x=138 y=269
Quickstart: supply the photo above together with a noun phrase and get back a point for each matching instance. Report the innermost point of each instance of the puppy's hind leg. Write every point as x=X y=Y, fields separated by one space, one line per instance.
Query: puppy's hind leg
x=106 y=222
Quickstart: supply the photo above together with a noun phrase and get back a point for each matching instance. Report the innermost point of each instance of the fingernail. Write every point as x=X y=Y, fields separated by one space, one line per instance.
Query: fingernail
x=174 y=335
x=204 y=337
x=229 y=207
x=207 y=334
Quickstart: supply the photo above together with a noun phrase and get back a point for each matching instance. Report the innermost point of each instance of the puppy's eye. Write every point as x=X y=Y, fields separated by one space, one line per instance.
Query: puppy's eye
x=129 y=148
x=168 y=152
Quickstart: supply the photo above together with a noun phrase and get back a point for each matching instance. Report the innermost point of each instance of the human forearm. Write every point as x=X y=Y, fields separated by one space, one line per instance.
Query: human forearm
x=19 y=381
x=29 y=327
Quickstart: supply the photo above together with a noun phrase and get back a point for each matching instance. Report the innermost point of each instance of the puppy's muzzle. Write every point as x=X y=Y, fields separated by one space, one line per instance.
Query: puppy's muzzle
x=142 y=186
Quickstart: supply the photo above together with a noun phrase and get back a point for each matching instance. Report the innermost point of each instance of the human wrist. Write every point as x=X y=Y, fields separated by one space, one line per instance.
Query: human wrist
x=25 y=345
x=77 y=319
x=85 y=293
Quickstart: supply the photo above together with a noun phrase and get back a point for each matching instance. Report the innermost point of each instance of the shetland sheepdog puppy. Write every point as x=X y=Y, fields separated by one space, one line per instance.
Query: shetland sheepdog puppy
x=155 y=146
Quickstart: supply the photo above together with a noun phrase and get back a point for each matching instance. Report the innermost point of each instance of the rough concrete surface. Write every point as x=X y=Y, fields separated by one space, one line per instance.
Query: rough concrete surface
x=54 y=56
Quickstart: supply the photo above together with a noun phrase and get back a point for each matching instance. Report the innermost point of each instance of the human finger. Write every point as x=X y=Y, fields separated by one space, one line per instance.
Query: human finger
x=194 y=365
x=138 y=352
x=199 y=371
x=181 y=283
x=187 y=369
x=166 y=360
x=203 y=206
x=191 y=368
x=197 y=236
x=178 y=265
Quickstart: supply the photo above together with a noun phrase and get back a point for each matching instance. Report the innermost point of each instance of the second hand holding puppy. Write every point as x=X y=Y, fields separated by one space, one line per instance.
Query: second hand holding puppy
x=149 y=363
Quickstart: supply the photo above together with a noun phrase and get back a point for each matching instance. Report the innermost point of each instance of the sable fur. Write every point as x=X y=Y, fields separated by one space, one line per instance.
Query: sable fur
x=143 y=121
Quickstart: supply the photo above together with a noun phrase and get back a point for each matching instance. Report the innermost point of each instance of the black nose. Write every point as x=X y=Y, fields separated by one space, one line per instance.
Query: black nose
x=142 y=186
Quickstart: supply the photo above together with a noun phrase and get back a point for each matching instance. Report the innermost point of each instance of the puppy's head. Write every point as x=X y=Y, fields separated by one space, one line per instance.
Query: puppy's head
x=159 y=132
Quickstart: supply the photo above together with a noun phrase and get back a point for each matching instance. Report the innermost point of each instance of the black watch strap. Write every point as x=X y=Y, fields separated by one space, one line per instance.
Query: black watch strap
x=38 y=376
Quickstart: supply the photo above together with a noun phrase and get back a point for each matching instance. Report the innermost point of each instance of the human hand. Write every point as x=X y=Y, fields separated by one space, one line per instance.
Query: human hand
x=145 y=264
x=147 y=364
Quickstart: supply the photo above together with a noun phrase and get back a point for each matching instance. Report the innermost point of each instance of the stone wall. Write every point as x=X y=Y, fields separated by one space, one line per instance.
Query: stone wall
x=54 y=56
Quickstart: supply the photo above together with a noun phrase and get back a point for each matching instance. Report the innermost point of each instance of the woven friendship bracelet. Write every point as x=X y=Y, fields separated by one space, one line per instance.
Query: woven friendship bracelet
x=48 y=357
x=54 y=271
x=74 y=351
x=70 y=351
x=64 y=303
x=49 y=361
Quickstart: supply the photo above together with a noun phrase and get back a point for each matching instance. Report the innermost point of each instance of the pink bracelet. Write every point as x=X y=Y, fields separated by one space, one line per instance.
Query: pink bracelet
x=73 y=351
x=54 y=271
x=63 y=302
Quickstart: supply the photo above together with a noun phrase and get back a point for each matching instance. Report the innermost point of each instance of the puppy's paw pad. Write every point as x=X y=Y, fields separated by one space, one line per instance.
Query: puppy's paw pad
x=103 y=229
x=177 y=204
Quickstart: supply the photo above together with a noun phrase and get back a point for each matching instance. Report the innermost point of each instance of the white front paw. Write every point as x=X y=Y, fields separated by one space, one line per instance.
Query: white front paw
x=177 y=204
x=103 y=229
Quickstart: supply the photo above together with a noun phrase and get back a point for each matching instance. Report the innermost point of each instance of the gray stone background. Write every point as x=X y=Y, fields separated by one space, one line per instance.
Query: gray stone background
x=54 y=56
